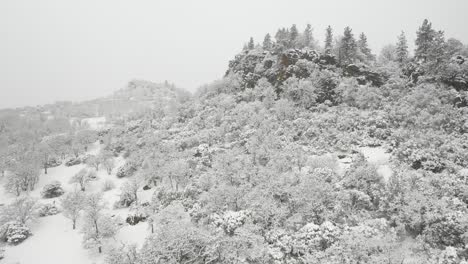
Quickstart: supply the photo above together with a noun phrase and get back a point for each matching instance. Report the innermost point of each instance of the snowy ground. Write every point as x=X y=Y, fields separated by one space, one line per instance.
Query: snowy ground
x=53 y=240
x=380 y=158
x=95 y=122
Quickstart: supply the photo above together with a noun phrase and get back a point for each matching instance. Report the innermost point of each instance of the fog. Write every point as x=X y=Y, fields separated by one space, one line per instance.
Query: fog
x=73 y=50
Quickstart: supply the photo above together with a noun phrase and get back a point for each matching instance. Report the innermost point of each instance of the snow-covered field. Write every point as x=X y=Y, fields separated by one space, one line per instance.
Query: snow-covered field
x=53 y=240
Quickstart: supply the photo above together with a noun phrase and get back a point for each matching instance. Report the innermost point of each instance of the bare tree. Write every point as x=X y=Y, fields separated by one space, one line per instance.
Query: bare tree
x=23 y=177
x=130 y=189
x=94 y=162
x=72 y=205
x=83 y=177
x=22 y=210
x=97 y=226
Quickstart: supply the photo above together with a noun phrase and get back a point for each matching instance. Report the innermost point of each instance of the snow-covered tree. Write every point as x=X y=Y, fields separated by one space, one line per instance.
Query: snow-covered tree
x=22 y=177
x=72 y=205
x=388 y=53
x=94 y=162
x=293 y=36
x=83 y=177
x=123 y=254
x=401 y=51
x=328 y=40
x=107 y=160
x=85 y=137
x=251 y=44
x=129 y=192
x=267 y=44
x=97 y=226
x=347 y=48
x=363 y=47
x=23 y=210
x=307 y=40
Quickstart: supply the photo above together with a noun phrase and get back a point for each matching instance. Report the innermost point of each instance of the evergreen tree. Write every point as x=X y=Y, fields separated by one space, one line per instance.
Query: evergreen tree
x=293 y=35
x=267 y=44
x=328 y=40
x=424 y=38
x=307 y=38
x=251 y=44
x=437 y=52
x=402 y=48
x=348 y=49
x=282 y=37
x=364 y=47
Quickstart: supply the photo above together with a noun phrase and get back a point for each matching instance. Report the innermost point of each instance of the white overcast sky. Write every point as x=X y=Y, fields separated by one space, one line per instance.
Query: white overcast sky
x=73 y=50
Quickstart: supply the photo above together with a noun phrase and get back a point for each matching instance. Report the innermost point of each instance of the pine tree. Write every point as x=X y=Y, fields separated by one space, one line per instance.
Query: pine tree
x=347 y=49
x=328 y=40
x=267 y=44
x=424 y=38
x=282 y=38
x=402 y=48
x=364 y=47
x=437 y=52
x=251 y=44
x=293 y=34
x=307 y=38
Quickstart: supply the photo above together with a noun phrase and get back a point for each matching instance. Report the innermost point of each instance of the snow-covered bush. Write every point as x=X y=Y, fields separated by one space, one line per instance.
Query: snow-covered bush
x=133 y=219
x=14 y=232
x=48 y=209
x=73 y=161
x=229 y=221
x=52 y=190
x=127 y=170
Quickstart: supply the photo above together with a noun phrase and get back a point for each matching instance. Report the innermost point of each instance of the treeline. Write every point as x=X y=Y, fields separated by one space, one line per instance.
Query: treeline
x=431 y=46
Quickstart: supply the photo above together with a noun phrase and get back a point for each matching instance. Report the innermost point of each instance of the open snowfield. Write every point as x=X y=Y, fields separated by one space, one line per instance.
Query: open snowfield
x=53 y=240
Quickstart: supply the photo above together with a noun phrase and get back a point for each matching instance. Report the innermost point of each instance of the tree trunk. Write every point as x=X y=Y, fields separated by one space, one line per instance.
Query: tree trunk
x=45 y=169
x=74 y=224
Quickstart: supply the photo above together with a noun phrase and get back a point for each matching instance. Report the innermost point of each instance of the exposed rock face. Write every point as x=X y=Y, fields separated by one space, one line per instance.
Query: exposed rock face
x=364 y=74
x=277 y=67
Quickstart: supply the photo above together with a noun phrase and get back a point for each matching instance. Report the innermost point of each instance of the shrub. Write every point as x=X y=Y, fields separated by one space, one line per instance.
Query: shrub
x=48 y=209
x=134 y=219
x=108 y=185
x=72 y=162
x=126 y=170
x=14 y=232
x=51 y=190
x=126 y=199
